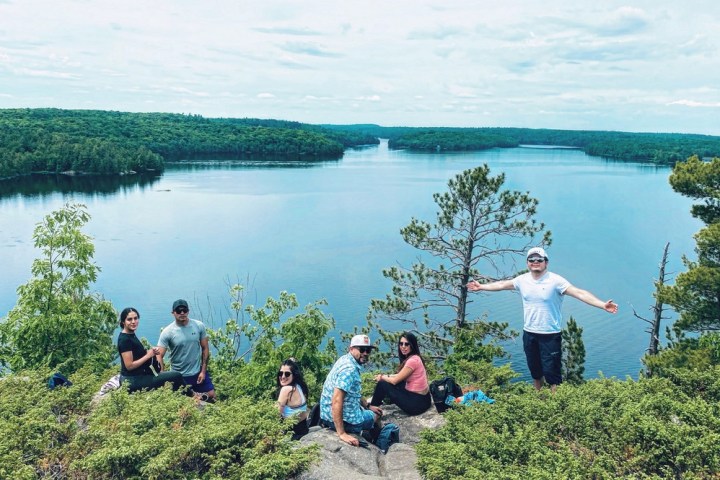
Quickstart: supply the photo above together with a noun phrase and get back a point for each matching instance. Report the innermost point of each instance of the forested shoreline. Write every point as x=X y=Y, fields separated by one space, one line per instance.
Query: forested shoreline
x=48 y=140
x=107 y=142
x=659 y=148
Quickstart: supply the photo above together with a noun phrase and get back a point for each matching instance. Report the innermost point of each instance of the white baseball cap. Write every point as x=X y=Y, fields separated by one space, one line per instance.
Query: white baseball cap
x=361 y=341
x=537 y=251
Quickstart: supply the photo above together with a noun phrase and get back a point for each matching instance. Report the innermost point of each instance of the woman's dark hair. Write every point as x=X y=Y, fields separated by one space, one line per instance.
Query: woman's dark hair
x=297 y=376
x=414 y=348
x=125 y=313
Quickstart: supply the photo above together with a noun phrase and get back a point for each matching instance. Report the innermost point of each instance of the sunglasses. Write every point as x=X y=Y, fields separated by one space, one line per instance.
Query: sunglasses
x=284 y=374
x=364 y=349
x=181 y=310
x=536 y=260
x=404 y=344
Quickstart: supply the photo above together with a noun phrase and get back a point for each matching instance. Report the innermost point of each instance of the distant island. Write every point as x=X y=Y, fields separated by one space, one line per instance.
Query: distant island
x=58 y=141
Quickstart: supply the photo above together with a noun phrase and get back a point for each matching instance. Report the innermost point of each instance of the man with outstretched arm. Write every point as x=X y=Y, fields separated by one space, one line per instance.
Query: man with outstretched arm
x=342 y=407
x=187 y=341
x=542 y=294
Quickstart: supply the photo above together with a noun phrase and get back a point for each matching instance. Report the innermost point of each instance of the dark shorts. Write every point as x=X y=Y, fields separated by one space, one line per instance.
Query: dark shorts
x=203 y=387
x=543 y=352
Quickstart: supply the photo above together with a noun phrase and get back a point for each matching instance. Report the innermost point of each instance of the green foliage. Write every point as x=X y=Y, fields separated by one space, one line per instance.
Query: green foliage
x=451 y=139
x=480 y=375
x=37 y=424
x=161 y=434
x=147 y=435
x=696 y=293
x=52 y=140
x=573 y=359
x=267 y=337
x=601 y=429
x=57 y=322
x=478 y=226
x=697 y=179
x=685 y=354
x=660 y=148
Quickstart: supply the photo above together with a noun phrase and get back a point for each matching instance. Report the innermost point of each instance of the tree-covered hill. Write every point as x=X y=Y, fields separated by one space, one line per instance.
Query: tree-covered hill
x=661 y=148
x=108 y=142
x=91 y=141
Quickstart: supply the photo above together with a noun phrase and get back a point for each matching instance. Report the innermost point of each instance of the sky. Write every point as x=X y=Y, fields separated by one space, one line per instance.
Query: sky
x=640 y=66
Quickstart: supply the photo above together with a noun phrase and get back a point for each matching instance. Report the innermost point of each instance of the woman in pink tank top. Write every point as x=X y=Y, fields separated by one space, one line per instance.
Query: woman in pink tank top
x=408 y=388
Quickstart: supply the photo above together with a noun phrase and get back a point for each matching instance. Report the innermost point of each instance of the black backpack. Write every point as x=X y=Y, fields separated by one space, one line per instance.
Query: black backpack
x=441 y=389
x=313 y=418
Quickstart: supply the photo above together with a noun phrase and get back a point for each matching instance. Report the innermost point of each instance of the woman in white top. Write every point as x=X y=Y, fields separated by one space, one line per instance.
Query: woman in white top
x=292 y=396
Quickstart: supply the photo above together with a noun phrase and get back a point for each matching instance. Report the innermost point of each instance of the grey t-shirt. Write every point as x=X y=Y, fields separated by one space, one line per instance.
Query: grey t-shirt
x=183 y=345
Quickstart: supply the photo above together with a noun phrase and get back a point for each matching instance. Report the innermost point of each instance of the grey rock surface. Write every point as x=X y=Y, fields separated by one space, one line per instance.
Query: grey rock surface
x=340 y=461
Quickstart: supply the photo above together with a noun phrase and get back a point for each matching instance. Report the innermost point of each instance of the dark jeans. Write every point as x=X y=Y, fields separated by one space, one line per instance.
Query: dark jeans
x=543 y=352
x=300 y=429
x=409 y=402
x=149 y=382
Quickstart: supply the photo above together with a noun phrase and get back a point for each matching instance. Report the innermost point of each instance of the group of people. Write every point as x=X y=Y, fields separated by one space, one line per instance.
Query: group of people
x=186 y=342
x=343 y=409
x=342 y=406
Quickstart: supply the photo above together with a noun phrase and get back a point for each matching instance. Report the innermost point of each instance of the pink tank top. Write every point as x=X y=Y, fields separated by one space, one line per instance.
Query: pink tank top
x=417 y=381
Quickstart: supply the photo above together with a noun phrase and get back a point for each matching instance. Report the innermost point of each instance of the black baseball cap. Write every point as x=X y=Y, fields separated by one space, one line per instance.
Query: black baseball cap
x=180 y=303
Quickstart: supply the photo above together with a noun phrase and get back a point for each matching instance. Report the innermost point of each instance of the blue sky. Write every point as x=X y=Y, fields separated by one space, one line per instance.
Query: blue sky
x=601 y=65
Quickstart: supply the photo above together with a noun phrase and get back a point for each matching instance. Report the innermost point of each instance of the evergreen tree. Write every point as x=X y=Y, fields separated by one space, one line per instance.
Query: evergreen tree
x=573 y=353
x=479 y=227
x=696 y=293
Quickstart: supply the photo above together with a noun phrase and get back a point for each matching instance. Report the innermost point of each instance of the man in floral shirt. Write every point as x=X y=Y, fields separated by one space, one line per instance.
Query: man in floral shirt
x=342 y=407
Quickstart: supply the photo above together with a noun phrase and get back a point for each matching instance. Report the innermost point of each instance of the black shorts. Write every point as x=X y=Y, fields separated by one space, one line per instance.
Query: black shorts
x=543 y=352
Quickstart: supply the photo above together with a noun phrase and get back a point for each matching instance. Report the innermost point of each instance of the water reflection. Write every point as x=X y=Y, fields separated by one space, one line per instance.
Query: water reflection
x=196 y=164
x=37 y=185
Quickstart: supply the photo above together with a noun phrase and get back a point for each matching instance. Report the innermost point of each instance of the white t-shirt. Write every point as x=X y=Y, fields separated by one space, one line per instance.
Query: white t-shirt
x=542 y=301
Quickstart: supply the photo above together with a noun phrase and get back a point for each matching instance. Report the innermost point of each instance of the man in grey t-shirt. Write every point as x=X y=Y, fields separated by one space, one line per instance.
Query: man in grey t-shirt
x=187 y=343
x=542 y=294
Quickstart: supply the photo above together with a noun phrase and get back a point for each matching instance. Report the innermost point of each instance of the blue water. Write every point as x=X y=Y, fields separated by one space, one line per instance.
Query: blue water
x=327 y=229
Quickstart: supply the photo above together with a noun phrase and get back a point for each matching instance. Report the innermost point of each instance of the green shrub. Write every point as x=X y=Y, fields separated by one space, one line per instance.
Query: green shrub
x=162 y=434
x=602 y=429
x=37 y=424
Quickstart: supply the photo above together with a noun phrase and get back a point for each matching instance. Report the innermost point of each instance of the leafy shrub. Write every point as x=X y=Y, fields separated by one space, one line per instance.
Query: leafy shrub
x=602 y=429
x=36 y=424
x=57 y=322
x=252 y=346
x=161 y=434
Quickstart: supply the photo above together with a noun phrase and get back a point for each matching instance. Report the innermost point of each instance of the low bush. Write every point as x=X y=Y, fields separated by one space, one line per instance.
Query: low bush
x=602 y=429
x=147 y=435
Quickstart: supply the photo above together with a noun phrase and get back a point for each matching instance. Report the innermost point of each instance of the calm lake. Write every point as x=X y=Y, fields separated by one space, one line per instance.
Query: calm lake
x=327 y=229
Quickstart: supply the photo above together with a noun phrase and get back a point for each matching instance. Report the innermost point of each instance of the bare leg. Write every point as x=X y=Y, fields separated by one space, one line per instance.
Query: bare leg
x=538 y=383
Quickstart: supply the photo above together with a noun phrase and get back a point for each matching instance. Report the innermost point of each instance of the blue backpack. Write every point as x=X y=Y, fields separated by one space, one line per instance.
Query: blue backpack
x=58 y=380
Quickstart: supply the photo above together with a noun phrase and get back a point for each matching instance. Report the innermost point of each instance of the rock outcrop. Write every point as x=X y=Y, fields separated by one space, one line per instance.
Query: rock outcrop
x=340 y=461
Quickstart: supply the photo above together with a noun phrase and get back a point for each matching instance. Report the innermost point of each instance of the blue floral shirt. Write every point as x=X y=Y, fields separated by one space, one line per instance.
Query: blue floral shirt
x=345 y=375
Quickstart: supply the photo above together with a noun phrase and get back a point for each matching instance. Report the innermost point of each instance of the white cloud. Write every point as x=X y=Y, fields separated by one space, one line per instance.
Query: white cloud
x=555 y=64
x=694 y=103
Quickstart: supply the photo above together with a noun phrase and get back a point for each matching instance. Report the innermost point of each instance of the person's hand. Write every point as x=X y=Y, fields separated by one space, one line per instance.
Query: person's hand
x=473 y=286
x=156 y=351
x=378 y=377
x=610 y=306
x=201 y=377
x=349 y=439
x=376 y=410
